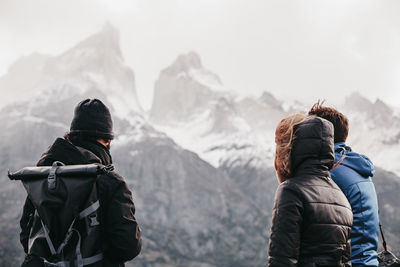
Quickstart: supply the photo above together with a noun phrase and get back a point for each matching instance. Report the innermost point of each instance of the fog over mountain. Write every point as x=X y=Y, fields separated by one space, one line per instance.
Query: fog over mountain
x=200 y=162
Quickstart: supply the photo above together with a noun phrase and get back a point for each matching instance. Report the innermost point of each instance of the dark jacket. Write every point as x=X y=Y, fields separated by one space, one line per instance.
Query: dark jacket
x=121 y=233
x=312 y=219
x=353 y=176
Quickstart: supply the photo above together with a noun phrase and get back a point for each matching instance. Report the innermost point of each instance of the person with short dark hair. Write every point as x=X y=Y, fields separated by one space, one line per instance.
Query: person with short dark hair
x=311 y=218
x=88 y=141
x=353 y=175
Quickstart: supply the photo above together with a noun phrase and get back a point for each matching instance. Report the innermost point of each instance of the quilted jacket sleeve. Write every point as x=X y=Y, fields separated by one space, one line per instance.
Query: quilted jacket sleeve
x=284 y=240
x=347 y=257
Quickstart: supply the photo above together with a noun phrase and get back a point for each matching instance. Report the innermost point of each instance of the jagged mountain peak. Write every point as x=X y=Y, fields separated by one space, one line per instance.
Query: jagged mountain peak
x=184 y=63
x=356 y=100
x=110 y=30
x=191 y=59
x=104 y=43
x=189 y=66
x=376 y=117
x=224 y=104
x=222 y=110
x=97 y=62
x=383 y=107
x=94 y=67
x=184 y=89
x=270 y=100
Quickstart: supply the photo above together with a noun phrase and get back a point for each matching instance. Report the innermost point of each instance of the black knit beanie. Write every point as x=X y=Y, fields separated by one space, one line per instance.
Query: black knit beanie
x=92 y=118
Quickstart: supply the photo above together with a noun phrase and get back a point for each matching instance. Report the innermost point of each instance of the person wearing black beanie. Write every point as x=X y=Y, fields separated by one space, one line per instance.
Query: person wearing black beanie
x=92 y=118
x=88 y=141
x=92 y=128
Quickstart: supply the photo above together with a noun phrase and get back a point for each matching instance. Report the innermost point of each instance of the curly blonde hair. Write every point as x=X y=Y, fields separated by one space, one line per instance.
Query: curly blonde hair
x=284 y=137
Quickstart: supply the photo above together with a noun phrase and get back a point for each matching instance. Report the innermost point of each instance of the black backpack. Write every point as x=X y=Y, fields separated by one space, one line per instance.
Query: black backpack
x=65 y=228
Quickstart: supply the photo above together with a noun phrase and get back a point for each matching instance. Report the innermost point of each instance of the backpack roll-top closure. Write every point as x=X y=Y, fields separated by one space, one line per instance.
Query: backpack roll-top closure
x=32 y=173
x=66 y=228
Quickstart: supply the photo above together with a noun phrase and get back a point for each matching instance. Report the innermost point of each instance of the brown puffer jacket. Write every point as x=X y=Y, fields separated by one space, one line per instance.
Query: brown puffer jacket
x=312 y=219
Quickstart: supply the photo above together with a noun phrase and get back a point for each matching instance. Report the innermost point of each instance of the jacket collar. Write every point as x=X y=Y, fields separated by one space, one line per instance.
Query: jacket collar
x=100 y=151
x=67 y=153
x=341 y=146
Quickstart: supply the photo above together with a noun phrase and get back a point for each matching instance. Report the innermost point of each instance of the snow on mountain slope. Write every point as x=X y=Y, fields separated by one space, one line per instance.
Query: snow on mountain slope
x=191 y=213
x=215 y=123
x=188 y=66
x=223 y=128
x=374 y=131
x=95 y=64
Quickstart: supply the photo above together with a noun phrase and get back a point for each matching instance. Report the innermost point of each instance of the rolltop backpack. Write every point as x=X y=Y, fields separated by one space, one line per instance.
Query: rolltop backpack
x=65 y=229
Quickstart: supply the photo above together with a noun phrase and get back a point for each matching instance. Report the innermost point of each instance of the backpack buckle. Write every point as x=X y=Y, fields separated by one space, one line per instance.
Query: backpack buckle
x=52 y=178
x=107 y=168
x=93 y=220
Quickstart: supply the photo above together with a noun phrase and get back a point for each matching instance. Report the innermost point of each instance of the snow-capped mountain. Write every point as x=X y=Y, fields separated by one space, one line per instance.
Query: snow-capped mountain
x=222 y=127
x=191 y=213
x=94 y=67
x=374 y=131
x=188 y=85
x=214 y=122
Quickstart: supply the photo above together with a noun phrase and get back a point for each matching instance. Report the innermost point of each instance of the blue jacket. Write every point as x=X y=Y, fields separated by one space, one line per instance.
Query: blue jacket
x=353 y=176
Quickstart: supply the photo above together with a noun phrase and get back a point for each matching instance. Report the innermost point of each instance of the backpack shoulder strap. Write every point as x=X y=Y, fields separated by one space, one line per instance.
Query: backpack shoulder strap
x=89 y=210
x=383 y=237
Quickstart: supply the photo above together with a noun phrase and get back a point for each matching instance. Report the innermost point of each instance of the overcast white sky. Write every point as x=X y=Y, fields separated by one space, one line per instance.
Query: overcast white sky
x=299 y=49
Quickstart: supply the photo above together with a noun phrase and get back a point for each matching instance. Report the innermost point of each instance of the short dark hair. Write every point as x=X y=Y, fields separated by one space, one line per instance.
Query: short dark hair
x=339 y=121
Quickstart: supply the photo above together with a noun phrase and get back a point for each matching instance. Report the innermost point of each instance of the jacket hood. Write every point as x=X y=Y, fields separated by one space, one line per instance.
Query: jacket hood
x=67 y=153
x=312 y=149
x=358 y=162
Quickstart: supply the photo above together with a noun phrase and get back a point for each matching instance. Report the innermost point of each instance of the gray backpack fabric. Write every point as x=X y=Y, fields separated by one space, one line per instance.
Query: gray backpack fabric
x=66 y=227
